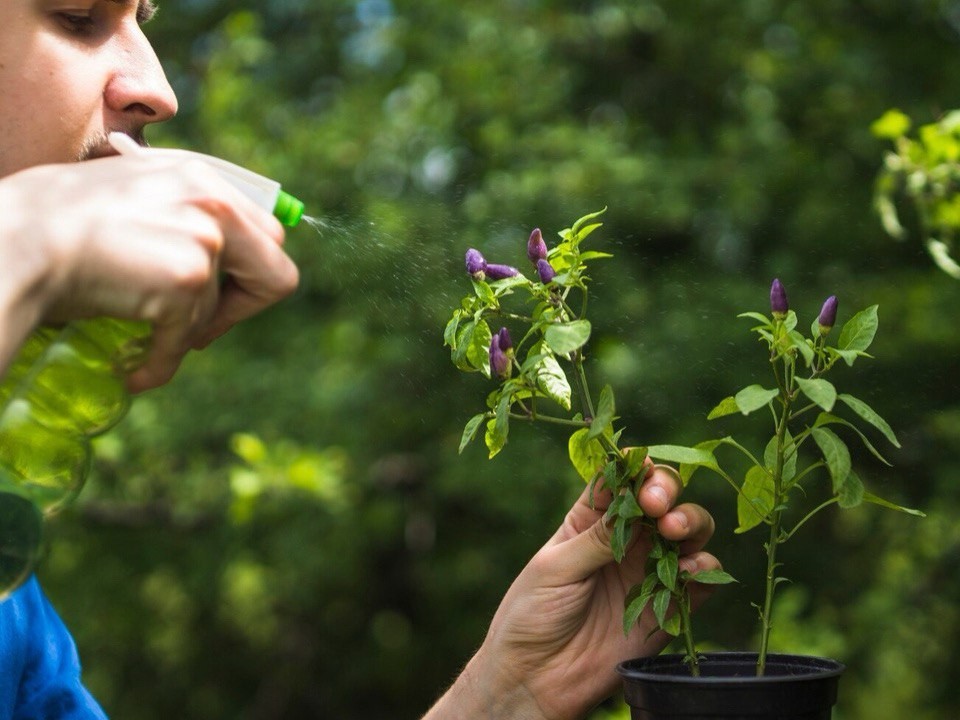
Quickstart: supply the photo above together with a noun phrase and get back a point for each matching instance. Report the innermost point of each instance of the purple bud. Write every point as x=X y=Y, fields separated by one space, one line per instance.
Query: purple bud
x=545 y=271
x=536 y=247
x=506 y=343
x=828 y=314
x=500 y=345
x=475 y=264
x=778 y=299
x=499 y=272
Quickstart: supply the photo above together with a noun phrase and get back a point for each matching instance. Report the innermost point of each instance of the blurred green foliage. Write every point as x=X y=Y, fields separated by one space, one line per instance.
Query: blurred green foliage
x=287 y=530
x=926 y=171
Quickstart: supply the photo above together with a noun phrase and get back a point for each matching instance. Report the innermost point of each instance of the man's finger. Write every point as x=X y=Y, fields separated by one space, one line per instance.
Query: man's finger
x=660 y=490
x=688 y=524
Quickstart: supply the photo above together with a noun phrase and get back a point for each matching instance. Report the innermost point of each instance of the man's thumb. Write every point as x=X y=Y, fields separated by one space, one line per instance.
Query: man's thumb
x=582 y=555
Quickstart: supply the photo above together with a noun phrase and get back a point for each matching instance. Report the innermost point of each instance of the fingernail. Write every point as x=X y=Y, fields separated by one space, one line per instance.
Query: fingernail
x=681 y=518
x=660 y=494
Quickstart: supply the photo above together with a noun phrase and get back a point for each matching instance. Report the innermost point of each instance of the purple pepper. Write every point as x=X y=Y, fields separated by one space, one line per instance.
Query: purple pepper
x=828 y=314
x=500 y=351
x=536 y=247
x=778 y=299
x=499 y=272
x=545 y=271
x=476 y=264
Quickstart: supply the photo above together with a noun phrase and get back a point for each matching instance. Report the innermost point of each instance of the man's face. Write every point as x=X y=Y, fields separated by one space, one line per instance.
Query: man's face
x=72 y=71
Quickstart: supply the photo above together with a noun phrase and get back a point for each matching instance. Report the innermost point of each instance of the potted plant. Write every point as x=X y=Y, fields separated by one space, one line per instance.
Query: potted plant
x=542 y=377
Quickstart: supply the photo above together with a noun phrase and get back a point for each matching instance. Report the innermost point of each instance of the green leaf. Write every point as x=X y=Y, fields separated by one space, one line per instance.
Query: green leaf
x=564 y=338
x=667 y=568
x=755 y=500
x=851 y=493
x=485 y=293
x=820 y=391
x=610 y=480
x=505 y=286
x=495 y=438
x=672 y=625
x=802 y=345
x=753 y=398
x=629 y=507
x=605 y=412
x=499 y=428
x=828 y=419
x=727 y=406
x=789 y=322
x=661 y=603
x=681 y=454
x=871 y=498
x=690 y=456
x=553 y=382
x=620 y=537
x=586 y=454
x=586 y=230
x=756 y=316
x=532 y=363
x=688 y=469
x=472 y=351
x=636 y=601
x=635 y=459
x=478 y=351
x=712 y=577
x=859 y=331
x=585 y=219
x=470 y=430
x=450 y=331
x=789 y=457
x=594 y=255
x=868 y=414
x=849 y=356
x=835 y=454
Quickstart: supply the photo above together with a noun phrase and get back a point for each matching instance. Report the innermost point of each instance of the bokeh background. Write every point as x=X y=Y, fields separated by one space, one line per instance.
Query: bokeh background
x=288 y=531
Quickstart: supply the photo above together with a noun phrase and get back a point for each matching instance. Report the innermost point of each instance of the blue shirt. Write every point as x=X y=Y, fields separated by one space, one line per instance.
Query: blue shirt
x=39 y=667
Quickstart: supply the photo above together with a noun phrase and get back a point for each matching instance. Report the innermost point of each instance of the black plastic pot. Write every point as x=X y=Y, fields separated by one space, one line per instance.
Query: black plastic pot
x=794 y=687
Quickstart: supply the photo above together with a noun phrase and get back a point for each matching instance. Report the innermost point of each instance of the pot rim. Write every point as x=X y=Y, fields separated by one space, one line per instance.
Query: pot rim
x=806 y=668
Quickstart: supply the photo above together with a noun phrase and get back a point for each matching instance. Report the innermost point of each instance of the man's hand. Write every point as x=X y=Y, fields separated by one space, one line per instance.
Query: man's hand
x=557 y=637
x=137 y=238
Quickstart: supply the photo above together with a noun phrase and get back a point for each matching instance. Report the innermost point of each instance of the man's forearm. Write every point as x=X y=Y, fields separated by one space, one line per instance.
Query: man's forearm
x=483 y=691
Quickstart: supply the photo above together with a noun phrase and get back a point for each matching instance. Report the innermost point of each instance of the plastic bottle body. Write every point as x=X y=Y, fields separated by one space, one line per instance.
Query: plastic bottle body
x=66 y=386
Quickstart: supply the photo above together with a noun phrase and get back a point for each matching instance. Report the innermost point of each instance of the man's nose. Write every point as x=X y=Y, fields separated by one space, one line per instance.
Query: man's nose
x=139 y=89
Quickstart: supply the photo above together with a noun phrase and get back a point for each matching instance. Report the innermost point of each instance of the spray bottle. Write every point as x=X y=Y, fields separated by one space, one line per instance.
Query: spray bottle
x=67 y=385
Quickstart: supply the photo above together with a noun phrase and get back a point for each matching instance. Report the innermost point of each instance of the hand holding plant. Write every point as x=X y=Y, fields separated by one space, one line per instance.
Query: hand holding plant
x=533 y=386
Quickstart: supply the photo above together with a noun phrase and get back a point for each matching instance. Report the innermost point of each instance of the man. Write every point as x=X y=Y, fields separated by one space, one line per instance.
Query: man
x=152 y=239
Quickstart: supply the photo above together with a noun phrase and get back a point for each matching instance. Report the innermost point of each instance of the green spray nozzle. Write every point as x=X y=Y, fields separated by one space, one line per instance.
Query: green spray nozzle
x=262 y=190
x=288 y=209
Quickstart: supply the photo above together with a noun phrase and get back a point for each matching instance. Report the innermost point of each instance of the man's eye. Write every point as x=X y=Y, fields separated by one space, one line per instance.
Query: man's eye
x=76 y=23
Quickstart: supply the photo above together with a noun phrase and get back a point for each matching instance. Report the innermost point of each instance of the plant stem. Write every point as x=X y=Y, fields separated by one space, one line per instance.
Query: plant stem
x=818 y=508
x=686 y=629
x=549 y=419
x=580 y=380
x=776 y=516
